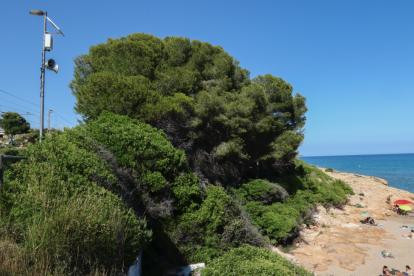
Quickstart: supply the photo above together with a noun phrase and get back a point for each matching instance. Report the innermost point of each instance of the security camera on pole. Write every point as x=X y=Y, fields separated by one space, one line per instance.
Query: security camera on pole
x=50 y=64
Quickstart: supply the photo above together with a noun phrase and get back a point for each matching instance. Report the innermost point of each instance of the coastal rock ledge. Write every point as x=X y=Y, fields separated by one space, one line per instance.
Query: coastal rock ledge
x=380 y=180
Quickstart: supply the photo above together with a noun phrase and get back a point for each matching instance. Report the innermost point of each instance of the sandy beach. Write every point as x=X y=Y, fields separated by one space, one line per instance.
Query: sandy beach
x=340 y=245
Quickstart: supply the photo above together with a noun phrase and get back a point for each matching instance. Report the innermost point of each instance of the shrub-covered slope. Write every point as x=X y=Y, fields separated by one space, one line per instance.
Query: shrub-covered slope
x=55 y=205
x=82 y=195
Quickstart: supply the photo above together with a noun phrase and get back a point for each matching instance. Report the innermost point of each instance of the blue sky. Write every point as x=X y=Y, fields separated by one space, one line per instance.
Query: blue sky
x=352 y=60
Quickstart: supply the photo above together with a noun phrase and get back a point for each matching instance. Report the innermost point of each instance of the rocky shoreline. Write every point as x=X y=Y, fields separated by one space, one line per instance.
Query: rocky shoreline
x=339 y=244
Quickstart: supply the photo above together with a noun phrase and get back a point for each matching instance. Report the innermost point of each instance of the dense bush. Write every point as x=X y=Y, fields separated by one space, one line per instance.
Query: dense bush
x=278 y=208
x=249 y=260
x=152 y=169
x=329 y=170
x=52 y=205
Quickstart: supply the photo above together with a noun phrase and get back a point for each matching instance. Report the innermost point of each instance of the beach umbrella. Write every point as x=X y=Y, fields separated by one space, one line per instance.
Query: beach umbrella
x=368 y=214
x=405 y=207
x=402 y=202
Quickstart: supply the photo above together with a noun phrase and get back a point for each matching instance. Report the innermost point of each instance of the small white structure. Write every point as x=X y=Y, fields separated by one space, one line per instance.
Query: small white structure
x=185 y=270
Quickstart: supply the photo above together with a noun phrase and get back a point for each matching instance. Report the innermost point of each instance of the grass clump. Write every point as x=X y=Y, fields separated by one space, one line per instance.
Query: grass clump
x=329 y=170
x=248 y=260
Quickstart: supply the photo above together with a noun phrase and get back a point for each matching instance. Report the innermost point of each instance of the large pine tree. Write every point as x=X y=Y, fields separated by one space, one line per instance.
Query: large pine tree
x=229 y=125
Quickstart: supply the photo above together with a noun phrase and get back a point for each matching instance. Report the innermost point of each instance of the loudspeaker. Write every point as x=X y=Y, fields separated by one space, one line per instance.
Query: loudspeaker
x=51 y=65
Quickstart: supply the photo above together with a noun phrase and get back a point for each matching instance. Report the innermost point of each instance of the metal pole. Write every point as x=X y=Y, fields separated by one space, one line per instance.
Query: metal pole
x=1 y=173
x=42 y=89
x=48 y=122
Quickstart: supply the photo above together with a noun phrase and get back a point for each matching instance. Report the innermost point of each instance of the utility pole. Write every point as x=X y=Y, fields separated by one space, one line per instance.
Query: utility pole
x=48 y=122
x=47 y=46
x=42 y=85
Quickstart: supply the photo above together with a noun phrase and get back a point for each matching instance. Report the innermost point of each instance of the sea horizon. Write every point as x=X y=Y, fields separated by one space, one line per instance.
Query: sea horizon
x=301 y=155
x=395 y=168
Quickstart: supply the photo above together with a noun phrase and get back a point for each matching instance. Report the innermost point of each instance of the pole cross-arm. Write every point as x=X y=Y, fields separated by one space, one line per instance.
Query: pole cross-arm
x=54 y=25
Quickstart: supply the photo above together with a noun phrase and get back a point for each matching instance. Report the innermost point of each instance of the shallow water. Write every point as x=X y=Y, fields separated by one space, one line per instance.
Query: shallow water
x=397 y=169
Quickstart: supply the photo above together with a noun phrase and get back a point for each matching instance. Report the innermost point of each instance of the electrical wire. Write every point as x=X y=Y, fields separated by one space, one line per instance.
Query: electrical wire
x=18 y=97
x=14 y=108
x=17 y=104
x=30 y=103
x=63 y=118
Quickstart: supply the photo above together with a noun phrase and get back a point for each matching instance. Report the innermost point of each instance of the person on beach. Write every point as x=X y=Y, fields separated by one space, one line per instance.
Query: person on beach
x=389 y=199
x=411 y=235
x=408 y=270
x=366 y=221
x=372 y=222
x=387 y=272
x=386 y=254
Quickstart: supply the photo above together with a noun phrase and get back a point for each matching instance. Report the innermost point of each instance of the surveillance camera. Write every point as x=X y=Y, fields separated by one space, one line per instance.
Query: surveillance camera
x=51 y=65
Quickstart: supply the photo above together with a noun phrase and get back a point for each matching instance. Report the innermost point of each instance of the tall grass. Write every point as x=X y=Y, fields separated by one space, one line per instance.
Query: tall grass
x=77 y=235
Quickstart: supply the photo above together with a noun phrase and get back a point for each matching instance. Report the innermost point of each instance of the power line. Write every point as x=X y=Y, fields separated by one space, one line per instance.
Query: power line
x=27 y=119
x=13 y=108
x=30 y=103
x=18 y=97
x=18 y=104
x=63 y=118
x=31 y=122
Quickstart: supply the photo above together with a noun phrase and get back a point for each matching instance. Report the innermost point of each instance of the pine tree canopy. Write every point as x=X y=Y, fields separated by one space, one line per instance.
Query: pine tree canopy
x=199 y=95
x=13 y=123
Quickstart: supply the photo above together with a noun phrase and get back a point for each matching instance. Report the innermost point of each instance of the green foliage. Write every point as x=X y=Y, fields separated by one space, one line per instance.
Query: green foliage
x=249 y=260
x=6 y=149
x=275 y=215
x=254 y=190
x=201 y=88
x=275 y=220
x=53 y=204
x=329 y=170
x=156 y=165
x=206 y=223
x=12 y=123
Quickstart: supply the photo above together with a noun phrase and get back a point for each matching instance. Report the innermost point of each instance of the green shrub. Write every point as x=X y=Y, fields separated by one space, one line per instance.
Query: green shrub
x=53 y=206
x=277 y=216
x=249 y=260
x=9 y=150
x=329 y=170
x=155 y=163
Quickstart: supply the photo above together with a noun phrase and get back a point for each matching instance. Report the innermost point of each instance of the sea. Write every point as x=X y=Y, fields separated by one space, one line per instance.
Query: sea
x=397 y=169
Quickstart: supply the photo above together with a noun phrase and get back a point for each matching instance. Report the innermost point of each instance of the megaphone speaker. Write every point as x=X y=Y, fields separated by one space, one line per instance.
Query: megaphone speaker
x=51 y=65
